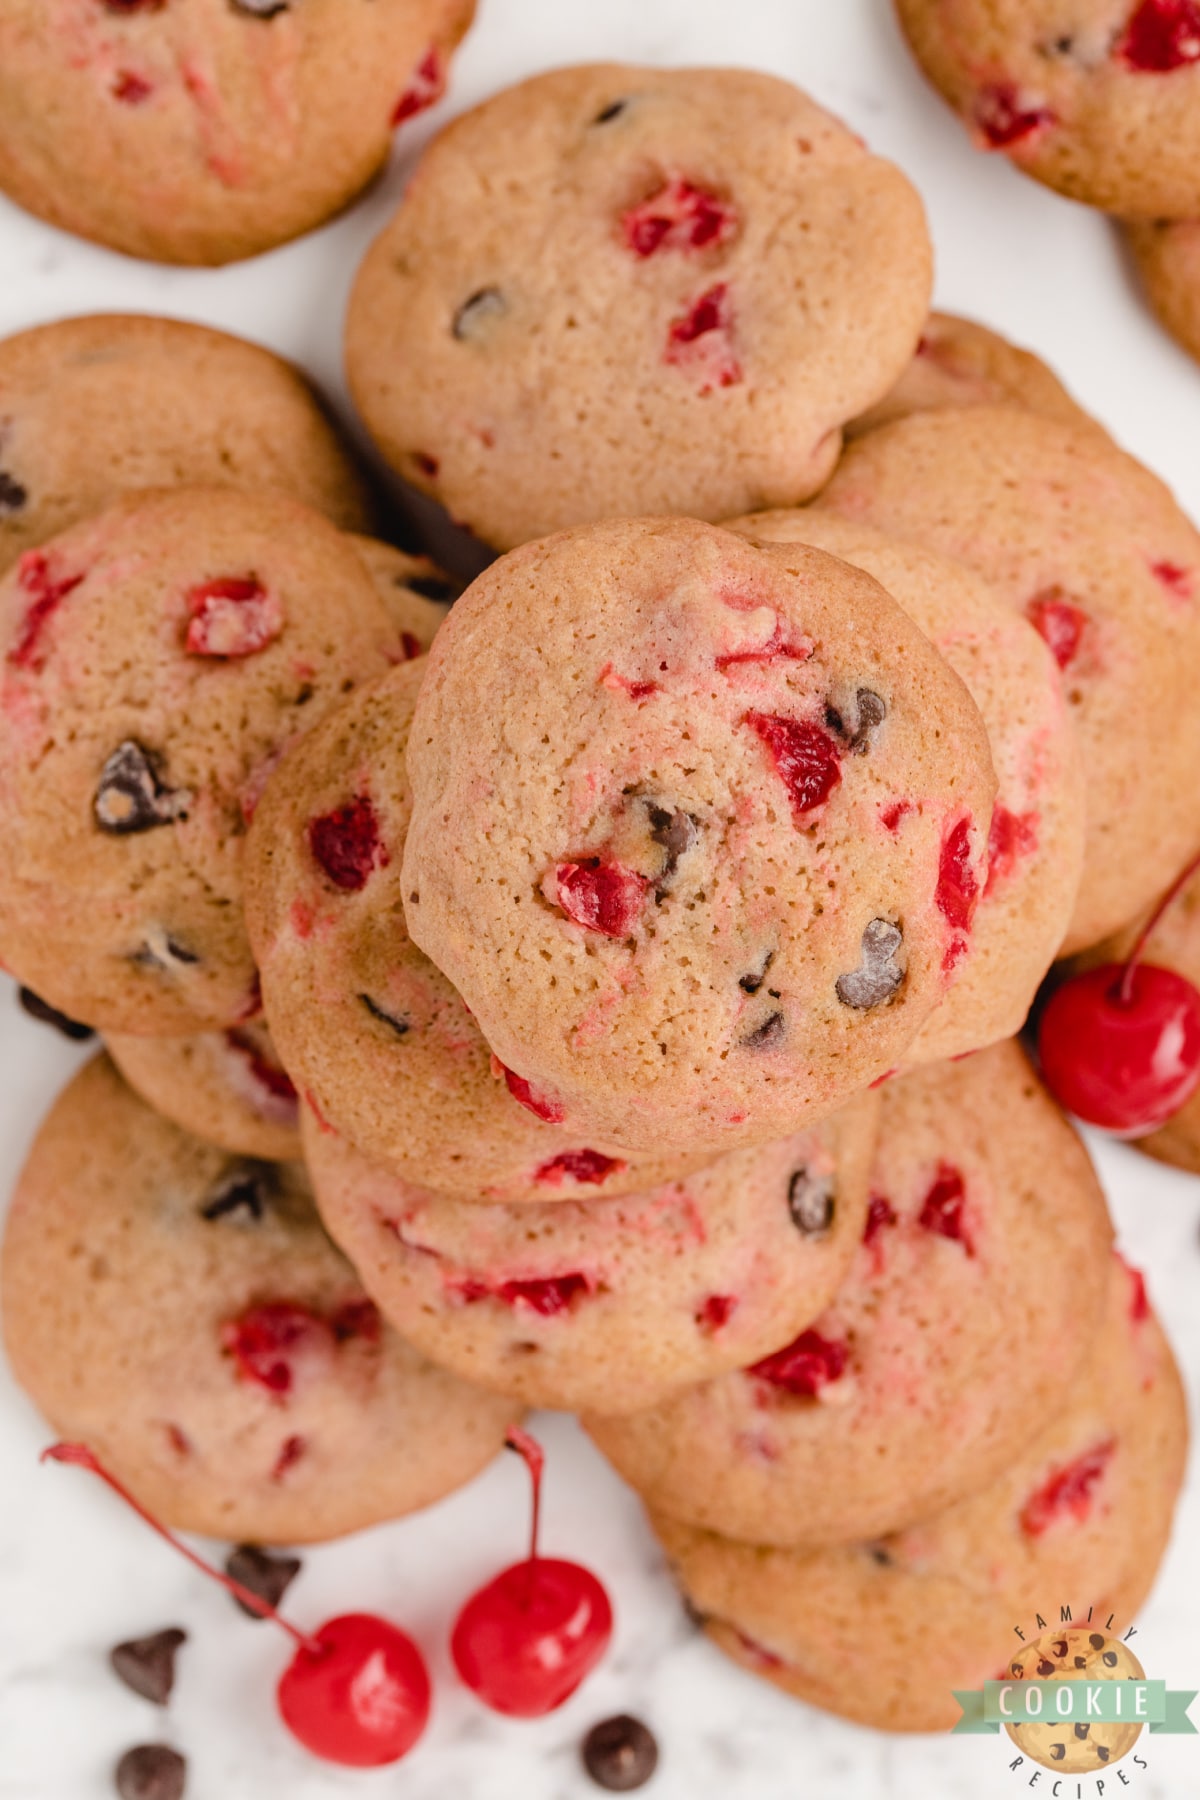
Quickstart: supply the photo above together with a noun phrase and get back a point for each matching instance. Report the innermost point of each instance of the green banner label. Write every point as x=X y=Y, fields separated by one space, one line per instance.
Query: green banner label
x=1149 y=1703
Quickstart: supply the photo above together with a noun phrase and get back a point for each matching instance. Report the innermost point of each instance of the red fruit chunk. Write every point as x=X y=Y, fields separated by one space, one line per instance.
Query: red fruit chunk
x=1068 y=1490
x=1005 y=119
x=678 y=217
x=526 y=1641
x=1139 y=1300
x=131 y=89
x=410 y=646
x=1177 y=580
x=588 y=1166
x=549 y=1296
x=290 y=1452
x=944 y=1207
x=775 y=648
x=424 y=90
x=36 y=575
x=538 y=1104
x=958 y=884
x=1012 y=836
x=807 y=760
x=356 y=1319
x=716 y=1311
x=270 y=1077
x=602 y=897
x=892 y=814
x=880 y=1213
x=701 y=339
x=1124 y=1059
x=805 y=1366
x=1061 y=624
x=359 y=1696
x=346 y=844
x=266 y=1341
x=1162 y=36
x=231 y=617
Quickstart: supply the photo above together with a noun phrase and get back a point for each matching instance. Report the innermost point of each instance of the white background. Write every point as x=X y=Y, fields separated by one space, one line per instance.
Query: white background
x=76 y=1575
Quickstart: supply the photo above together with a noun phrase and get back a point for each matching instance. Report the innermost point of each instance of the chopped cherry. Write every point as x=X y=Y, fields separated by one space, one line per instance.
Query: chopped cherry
x=1120 y=1044
x=715 y=1312
x=1059 y=623
x=957 y=882
x=1012 y=836
x=540 y=1105
x=1004 y=118
x=548 y=1295
x=233 y=616
x=880 y=1214
x=804 y=1366
x=807 y=760
x=589 y=1167
x=356 y=1692
x=1162 y=36
x=48 y=587
x=347 y=845
x=266 y=1340
x=945 y=1206
x=427 y=86
x=525 y=1641
x=602 y=897
x=1067 y=1490
x=678 y=217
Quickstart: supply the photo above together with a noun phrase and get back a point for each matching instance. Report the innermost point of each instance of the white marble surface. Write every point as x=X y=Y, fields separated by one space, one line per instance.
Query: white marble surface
x=76 y=1574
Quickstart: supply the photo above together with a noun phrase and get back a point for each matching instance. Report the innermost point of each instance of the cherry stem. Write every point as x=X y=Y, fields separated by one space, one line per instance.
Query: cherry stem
x=534 y=1458
x=1125 y=987
x=78 y=1456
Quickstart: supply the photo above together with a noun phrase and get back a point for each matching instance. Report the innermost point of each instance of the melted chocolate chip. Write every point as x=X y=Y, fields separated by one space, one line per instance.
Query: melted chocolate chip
x=1109 y=1659
x=878 y=975
x=1058 y=1751
x=395 y=1021
x=161 y=951
x=261 y=9
x=12 y=495
x=881 y=1555
x=608 y=113
x=620 y=1754
x=1081 y=1731
x=1045 y=1667
x=474 y=313
x=676 y=832
x=768 y=1034
x=147 y=1665
x=433 y=587
x=872 y=711
x=132 y=796
x=150 y=1772
x=811 y=1201
x=45 y=1014
x=750 y=984
x=267 y=1575
x=247 y=1187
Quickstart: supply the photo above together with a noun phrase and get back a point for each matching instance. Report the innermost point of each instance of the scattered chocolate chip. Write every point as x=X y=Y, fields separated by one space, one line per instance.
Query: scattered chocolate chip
x=261 y=9
x=767 y=1035
x=750 y=984
x=396 y=1021
x=433 y=587
x=246 y=1187
x=881 y=1555
x=147 y=1665
x=160 y=950
x=150 y=1772
x=45 y=1014
x=12 y=495
x=131 y=796
x=1060 y=1648
x=265 y=1574
x=1109 y=1659
x=676 y=831
x=1103 y=1752
x=1096 y=1640
x=1058 y=1751
x=608 y=113
x=1081 y=1731
x=872 y=711
x=474 y=313
x=620 y=1754
x=1081 y=1662
x=811 y=1201
x=878 y=975
x=1045 y=1667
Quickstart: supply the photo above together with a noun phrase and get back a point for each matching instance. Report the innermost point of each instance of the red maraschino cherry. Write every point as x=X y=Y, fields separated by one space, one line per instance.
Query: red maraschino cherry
x=1120 y=1044
x=356 y=1691
x=526 y=1640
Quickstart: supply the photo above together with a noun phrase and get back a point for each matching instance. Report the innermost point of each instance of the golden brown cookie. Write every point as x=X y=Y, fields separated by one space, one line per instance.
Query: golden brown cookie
x=227 y=1087
x=1166 y=253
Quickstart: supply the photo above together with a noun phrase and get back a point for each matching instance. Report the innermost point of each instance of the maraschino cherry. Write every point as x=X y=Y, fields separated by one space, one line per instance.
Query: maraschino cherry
x=1120 y=1044
x=356 y=1691
x=526 y=1640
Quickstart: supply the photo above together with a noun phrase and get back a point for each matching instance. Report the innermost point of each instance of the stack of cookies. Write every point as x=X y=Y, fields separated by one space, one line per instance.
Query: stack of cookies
x=607 y=1003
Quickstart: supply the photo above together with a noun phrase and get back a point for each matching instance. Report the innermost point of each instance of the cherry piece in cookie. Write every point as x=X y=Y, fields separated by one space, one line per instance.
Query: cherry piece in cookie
x=600 y=896
x=347 y=845
x=679 y=216
x=356 y=1691
x=807 y=760
x=1162 y=36
x=805 y=1366
x=1067 y=1492
x=527 y=1640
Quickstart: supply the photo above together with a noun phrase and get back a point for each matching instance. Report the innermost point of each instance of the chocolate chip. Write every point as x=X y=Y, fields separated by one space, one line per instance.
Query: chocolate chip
x=872 y=711
x=811 y=1201
x=878 y=975
x=150 y=1772
x=12 y=495
x=676 y=831
x=267 y=1575
x=608 y=113
x=131 y=795
x=159 y=950
x=768 y=1034
x=147 y=1665
x=1061 y=1648
x=1096 y=1640
x=261 y=9
x=1103 y=1752
x=395 y=1021
x=1058 y=1751
x=1081 y=1662
x=45 y=1014
x=750 y=984
x=881 y=1556
x=432 y=587
x=1109 y=1659
x=487 y=303
x=620 y=1754
x=246 y=1187
x=1081 y=1731
x=1045 y=1667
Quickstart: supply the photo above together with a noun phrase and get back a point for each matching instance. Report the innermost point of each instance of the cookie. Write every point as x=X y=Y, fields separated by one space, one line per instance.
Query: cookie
x=653 y=766
x=987 y=1230
x=616 y=290
x=1166 y=254
x=883 y=1632
x=201 y=131
x=1093 y=550
x=961 y=363
x=414 y=591
x=228 y=1087
x=184 y=1314
x=381 y=1045
x=1035 y=845
x=157 y=661
x=98 y=406
x=1099 y=99
x=609 y=1304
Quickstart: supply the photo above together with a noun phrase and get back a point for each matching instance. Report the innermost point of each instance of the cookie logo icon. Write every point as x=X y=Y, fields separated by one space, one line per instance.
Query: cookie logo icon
x=1076 y=1746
